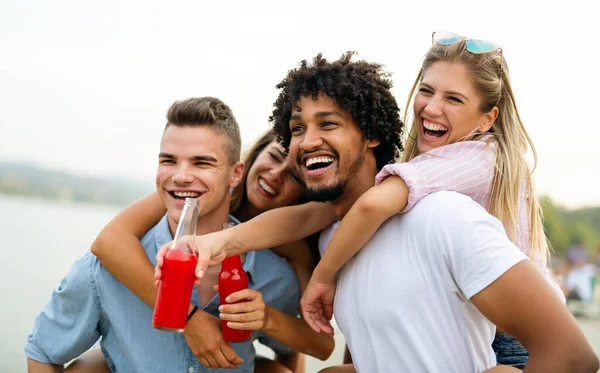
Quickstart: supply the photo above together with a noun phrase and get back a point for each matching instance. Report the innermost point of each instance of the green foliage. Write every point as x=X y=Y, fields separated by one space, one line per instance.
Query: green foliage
x=564 y=227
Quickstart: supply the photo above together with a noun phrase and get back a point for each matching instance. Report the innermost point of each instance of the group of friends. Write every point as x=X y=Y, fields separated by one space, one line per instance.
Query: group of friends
x=428 y=248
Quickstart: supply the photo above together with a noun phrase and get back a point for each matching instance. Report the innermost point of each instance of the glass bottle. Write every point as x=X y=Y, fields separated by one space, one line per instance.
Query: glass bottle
x=232 y=278
x=178 y=274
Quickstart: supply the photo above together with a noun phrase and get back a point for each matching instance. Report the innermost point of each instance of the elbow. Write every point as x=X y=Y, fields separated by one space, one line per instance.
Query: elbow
x=326 y=350
x=368 y=205
x=102 y=243
x=585 y=361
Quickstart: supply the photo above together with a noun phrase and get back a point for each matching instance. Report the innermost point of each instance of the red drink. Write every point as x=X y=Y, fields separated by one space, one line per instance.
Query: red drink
x=174 y=291
x=232 y=278
x=178 y=274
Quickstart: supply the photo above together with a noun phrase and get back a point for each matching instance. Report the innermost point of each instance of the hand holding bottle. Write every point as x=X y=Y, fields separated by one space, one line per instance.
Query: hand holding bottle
x=249 y=314
x=210 y=249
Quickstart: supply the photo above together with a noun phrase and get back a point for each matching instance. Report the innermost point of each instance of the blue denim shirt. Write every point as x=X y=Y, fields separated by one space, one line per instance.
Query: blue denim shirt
x=90 y=303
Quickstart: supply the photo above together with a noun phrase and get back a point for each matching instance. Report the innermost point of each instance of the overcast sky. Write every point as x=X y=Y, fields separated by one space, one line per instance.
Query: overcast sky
x=84 y=86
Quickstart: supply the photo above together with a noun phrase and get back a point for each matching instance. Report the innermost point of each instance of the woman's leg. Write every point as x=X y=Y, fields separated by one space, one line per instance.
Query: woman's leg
x=91 y=362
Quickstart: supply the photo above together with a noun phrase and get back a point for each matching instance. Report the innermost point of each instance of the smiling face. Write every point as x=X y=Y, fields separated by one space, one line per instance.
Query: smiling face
x=327 y=145
x=272 y=180
x=193 y=163
x=447 y=107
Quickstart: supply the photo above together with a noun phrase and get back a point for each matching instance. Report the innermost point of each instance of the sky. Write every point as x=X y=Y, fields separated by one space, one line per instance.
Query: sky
x=85 y=86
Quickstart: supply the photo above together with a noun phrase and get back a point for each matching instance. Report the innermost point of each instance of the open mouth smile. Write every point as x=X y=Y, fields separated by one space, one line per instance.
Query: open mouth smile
x=433 y=131
x=318 y=165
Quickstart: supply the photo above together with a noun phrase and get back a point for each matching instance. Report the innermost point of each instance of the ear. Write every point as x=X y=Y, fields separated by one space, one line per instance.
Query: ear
x=488 y=120
x=373 y=143
x=237 y=172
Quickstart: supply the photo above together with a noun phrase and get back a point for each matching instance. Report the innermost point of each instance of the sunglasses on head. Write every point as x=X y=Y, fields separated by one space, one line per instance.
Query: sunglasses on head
x=472 y=45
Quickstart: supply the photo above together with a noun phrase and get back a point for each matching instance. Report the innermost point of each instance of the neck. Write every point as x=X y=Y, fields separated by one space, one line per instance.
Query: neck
x=356 y=187
x=246 y=212
x=208 y=223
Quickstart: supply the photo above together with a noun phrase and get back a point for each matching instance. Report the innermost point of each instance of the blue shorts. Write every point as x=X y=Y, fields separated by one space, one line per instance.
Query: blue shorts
x=509 y=351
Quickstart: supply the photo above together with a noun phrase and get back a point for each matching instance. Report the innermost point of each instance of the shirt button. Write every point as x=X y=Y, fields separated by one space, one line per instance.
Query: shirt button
x=191 y=370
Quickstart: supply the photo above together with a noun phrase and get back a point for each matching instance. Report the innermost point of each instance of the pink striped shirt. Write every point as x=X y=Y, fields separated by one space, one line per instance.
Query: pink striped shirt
x=466 y=167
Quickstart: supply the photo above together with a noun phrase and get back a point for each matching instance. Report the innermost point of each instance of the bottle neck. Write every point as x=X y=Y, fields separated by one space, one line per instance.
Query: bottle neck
x=232 y=262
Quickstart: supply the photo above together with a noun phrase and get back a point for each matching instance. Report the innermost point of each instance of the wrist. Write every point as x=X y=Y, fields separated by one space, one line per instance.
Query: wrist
x=268 y=323
x=232 y=244
x=324 y=275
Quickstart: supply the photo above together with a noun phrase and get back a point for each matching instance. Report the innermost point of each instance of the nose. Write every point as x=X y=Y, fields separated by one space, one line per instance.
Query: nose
x=434 y=107
x=183 y=175
x=311 y=140
x=278 y=173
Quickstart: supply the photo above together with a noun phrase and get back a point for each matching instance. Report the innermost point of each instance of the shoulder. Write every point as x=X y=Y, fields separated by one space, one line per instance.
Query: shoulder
x=453 y=214
x=442 y=204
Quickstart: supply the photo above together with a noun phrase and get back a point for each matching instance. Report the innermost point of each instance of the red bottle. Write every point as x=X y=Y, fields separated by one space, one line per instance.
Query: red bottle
x=177 y=278
x=232 y=278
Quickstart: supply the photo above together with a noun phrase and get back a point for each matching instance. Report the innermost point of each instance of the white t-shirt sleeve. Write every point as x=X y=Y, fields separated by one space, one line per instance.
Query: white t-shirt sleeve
x=478 y=251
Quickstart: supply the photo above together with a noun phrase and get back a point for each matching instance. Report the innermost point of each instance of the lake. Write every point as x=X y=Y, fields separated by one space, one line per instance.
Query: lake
x=44 y=240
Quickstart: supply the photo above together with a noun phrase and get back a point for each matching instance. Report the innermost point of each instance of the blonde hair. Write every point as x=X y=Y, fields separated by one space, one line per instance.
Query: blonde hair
x=489 y=74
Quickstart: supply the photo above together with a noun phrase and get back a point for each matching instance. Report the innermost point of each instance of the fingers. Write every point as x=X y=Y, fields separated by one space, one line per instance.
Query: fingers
x=309 y=318
x=250 y=294
x=203 y=261
x=257 y=315
x=160 y=256
x=204 y=361
x=220 y=356
x=222 y=360
x=230 y=355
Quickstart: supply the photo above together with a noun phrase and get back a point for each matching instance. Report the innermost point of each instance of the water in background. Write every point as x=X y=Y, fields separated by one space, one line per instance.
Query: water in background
x=42 y=239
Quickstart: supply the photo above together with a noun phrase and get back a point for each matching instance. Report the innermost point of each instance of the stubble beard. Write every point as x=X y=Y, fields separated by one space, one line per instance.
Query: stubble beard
x=329 y=193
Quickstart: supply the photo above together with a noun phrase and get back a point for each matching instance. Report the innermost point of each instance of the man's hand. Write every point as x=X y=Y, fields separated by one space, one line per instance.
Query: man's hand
x=248 y=315
x=203 y=334
x=317 y=305
x=210 y=249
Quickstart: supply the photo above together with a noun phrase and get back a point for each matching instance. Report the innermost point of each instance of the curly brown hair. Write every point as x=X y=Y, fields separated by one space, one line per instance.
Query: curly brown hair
x=360 y=88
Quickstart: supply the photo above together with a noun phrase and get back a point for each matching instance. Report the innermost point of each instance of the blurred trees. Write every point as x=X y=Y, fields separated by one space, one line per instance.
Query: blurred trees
x=564 y=227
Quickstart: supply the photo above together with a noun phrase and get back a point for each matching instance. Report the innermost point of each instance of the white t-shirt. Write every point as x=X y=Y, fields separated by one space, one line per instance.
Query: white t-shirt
x=402 y=302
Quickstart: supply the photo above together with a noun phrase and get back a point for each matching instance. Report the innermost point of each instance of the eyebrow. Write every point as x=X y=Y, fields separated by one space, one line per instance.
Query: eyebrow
x=319 y=114
x=196 y=158
x=448 y=92
x=166 y=155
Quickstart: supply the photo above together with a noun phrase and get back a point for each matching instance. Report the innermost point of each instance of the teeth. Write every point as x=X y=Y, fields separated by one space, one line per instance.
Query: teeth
x=434 y=127
x=186 y=194
x=266 y=187
x=312 y=161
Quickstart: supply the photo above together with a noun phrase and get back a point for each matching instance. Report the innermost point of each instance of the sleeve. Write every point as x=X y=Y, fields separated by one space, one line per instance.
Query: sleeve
x=68 y=323
x=478 y=251
x=465 y=167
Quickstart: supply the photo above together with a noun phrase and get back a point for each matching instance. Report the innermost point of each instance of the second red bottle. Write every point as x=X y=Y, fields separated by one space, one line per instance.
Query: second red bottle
x=232 y=279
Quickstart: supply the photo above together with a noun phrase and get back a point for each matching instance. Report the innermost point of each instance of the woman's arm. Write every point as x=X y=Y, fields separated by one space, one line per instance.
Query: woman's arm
x=254 y=314
x=275 y=227
x=300 y=258
x=119 y=249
